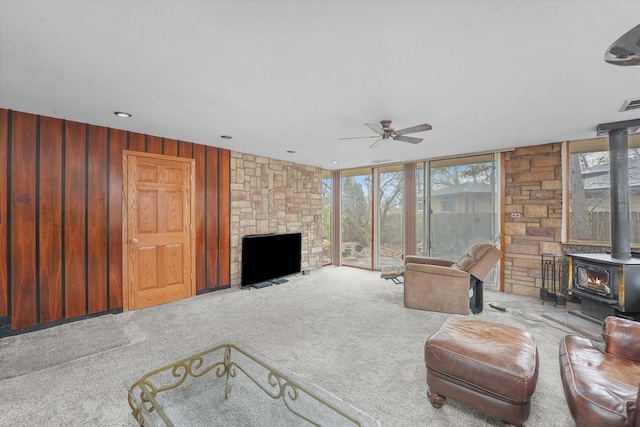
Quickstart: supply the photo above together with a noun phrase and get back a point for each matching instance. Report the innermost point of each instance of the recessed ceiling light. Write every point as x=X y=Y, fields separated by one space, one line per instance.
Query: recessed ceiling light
x=225 y=137
x=291 y=152
x=334 y=161
x=122 y=114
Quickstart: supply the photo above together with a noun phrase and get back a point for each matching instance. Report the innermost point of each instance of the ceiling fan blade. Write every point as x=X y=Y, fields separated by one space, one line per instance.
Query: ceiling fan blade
x=375 y=144
x=359 y=137
x=377 y=129
x=408 y=139
x=412 y=129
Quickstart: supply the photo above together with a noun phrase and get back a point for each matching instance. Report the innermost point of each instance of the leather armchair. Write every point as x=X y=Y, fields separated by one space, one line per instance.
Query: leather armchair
x=436 y=284
x=602 y=386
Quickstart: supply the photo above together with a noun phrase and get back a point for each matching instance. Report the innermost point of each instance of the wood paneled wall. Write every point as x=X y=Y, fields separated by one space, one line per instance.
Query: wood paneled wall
x=61 y=216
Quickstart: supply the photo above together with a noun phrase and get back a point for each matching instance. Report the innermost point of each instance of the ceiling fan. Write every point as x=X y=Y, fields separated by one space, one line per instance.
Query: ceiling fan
x=386 y=132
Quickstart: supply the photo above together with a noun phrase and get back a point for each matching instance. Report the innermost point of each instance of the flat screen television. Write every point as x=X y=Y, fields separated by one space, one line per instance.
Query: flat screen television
x=270 y=256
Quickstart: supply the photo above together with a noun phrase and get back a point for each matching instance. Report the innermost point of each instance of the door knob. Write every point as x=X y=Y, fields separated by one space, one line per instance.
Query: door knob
x=134 y=241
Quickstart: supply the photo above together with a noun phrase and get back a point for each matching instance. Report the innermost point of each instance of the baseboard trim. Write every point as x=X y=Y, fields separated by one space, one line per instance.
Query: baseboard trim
x=217 y=288
x=5 y=329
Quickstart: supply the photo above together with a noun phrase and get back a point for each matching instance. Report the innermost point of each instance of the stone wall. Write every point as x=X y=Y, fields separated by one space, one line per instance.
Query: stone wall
x=532 y=215
x=275 y=196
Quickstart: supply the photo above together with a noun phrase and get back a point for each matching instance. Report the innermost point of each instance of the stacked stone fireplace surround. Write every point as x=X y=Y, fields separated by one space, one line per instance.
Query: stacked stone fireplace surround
x=532 y=215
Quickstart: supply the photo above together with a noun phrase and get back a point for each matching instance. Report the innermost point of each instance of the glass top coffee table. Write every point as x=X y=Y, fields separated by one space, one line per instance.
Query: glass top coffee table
x=227 y=385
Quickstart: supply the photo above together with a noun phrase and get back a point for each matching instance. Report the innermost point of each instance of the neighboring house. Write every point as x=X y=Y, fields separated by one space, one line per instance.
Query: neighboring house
x=468 y=197
x=596 y=184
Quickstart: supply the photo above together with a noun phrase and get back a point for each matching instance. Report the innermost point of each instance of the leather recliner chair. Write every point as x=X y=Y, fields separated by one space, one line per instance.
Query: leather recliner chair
x=602 y=387
x=436 y=284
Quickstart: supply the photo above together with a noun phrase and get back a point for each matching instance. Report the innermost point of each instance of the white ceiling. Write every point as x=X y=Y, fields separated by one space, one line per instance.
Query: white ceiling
x=298 y=75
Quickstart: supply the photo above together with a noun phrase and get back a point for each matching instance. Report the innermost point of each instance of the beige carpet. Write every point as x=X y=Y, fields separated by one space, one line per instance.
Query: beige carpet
x=344 y=329
x=23 y=354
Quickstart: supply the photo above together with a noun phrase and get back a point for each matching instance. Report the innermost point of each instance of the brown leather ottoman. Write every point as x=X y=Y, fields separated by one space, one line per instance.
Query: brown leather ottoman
x=489 y=366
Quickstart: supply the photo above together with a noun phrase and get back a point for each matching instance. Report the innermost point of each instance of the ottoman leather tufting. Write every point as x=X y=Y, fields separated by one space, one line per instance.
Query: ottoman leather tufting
x=489 y=366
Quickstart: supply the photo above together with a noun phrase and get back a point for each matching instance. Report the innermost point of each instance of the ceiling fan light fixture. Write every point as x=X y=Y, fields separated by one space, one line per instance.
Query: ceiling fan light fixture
x=626 y=50
x=386 y=132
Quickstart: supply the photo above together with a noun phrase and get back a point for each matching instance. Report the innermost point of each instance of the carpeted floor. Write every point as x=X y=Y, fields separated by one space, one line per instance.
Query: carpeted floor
x=343 y=329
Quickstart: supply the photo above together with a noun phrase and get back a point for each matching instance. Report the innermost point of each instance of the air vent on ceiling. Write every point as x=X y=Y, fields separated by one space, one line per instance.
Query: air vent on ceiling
x=630 y=104
x=381 y=161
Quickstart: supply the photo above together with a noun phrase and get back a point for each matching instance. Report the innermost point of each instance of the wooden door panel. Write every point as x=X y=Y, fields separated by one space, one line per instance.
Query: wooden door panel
x=174 y=176
x=147 y=174
x=174 y=218
x=173 y=264
x=159 y=234
x=149 y=298
x=146 y=210
x=147 y=259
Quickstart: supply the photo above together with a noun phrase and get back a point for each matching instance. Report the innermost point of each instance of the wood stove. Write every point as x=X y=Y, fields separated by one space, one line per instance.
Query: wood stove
x=607 y=286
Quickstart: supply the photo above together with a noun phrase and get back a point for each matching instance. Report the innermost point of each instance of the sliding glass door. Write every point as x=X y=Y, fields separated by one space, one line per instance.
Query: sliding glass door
x=456 y=205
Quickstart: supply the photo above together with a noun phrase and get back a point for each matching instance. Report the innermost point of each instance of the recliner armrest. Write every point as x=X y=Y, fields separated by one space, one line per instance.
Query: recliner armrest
x=637 y=420
x=416 y=259
x=622 y=338
x=438 y=270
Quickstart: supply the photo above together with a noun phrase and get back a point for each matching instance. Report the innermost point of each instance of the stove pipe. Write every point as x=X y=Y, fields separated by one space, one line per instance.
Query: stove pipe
x=619 y=187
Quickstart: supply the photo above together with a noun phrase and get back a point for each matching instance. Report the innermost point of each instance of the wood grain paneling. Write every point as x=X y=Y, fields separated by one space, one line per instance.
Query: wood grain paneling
x=97 y=220
x=224 y=212
x=199 y=157
x=117 y=143
x=154 y=144
x=61 y=216
x=75 y=219
x=4 y=214
x=50 y=220
x=211 y=213
x=170 y=147
x=185 y=149
x=23 y=221
x=136 y=142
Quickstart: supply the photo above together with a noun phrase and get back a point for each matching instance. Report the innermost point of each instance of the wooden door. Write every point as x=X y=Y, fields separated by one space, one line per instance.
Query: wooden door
x=158 y=238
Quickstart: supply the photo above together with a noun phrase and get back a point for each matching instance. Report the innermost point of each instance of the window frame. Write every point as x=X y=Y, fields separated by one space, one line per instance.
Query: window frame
x=594 y=145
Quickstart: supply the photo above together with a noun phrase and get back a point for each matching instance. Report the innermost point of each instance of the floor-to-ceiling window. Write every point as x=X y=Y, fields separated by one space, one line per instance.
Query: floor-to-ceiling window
x=356 y=216
x=326 y=217
x=456 y=205
x=389 y=230
x=422 y=208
